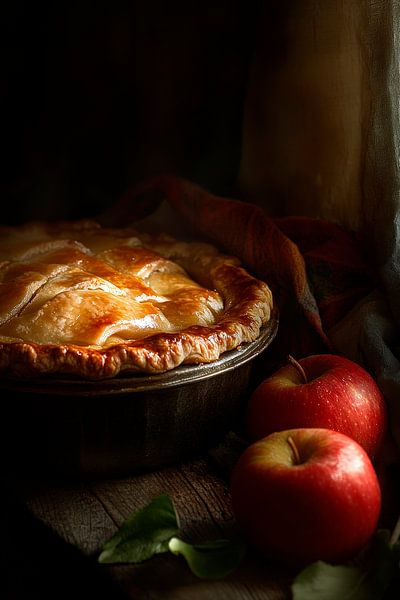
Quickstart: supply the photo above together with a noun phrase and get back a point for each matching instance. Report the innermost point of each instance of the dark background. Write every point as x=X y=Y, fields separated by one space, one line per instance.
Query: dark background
x=94 y=99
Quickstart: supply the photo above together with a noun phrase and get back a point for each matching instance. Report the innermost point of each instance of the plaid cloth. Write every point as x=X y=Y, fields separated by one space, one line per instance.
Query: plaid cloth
x=314 y=268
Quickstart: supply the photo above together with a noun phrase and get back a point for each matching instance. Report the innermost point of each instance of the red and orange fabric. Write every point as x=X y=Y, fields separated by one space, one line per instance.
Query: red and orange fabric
x=314 y=268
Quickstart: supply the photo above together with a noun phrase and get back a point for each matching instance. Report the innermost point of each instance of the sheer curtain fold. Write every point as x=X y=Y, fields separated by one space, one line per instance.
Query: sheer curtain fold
x=321 y=138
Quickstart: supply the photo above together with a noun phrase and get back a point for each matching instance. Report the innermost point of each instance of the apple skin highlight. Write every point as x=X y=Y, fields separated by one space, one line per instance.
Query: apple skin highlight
x=321 y=502
x=338 y=395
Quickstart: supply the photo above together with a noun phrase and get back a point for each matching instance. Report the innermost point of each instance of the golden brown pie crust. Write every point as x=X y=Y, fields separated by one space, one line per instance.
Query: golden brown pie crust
x=80 y=299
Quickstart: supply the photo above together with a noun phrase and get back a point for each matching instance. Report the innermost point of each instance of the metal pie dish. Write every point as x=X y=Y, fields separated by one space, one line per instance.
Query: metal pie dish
x=73 y=427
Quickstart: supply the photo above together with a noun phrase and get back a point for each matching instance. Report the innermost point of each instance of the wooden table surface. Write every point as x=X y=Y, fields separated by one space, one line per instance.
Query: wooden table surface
x=54 y=533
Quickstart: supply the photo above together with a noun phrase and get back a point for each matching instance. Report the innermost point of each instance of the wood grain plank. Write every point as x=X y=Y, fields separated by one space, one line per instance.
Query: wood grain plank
x=87 y=514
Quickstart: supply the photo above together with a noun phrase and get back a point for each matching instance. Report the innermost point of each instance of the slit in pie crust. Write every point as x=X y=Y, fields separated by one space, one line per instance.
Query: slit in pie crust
x=80 y=299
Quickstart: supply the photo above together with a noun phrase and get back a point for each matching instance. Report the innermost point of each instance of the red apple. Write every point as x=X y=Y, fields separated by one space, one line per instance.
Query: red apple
x=320 y=391
x=306 y=494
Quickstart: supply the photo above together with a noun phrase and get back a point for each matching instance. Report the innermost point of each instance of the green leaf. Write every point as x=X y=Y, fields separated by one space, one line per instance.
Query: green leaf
x=143 y=534
x=376 y=571
x=320 y=581
x=211 y=560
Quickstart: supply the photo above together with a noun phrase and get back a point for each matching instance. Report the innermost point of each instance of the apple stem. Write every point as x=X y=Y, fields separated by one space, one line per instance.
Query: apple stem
x=299 y=368
x=396 y=533
x=294 y=449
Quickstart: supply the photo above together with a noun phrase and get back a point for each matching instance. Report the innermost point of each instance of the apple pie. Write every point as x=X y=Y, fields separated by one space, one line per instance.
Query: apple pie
x=84 y=300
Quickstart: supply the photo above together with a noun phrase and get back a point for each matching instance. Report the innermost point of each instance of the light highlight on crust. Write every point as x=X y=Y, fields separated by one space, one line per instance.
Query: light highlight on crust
x=79 y=299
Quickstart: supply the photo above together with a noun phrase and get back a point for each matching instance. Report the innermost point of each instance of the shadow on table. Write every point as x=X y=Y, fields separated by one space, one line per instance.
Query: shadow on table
x=39 y=564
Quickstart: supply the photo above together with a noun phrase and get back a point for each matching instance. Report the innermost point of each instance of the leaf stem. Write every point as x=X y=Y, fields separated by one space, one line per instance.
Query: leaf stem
x=299 y=368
